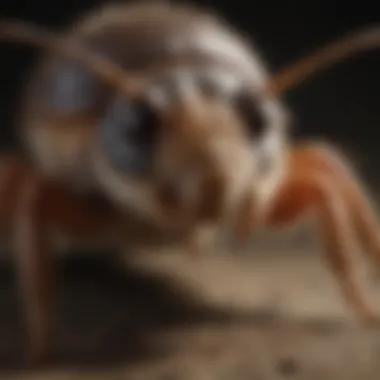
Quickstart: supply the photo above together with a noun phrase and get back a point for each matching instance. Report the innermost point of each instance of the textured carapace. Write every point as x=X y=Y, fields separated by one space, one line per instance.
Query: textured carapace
x=188 y=128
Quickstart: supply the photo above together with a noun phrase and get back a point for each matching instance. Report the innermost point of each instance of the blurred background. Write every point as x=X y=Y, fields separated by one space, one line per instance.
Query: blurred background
x=116 y=314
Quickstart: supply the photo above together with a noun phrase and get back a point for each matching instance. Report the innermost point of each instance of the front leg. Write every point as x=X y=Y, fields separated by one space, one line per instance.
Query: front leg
x=34 y=247
x=323 y=159
x=319 y=181
x=39 y=209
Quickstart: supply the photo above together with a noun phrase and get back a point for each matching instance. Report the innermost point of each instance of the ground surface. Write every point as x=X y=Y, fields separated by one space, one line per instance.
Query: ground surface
x=277 y=315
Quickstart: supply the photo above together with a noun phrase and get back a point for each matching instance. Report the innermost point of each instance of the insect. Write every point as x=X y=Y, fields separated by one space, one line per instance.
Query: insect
x=154 y=123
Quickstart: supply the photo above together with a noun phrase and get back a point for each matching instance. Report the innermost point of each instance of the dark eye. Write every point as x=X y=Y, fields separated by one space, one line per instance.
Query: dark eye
x=128 y=133
x=138 y=123
x=251 y=113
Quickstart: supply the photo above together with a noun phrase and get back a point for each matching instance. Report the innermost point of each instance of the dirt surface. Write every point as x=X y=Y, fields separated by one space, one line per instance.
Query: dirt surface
x=168 y=316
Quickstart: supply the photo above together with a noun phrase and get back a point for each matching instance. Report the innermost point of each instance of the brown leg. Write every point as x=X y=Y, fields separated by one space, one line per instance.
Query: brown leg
x=311 y=187
x=35 y=261
x=36 y=207
x=326 y=160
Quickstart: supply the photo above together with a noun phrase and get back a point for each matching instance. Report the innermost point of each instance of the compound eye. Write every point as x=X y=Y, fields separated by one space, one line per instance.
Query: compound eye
x=138 y=123
x=252 y=114
x=129 y=133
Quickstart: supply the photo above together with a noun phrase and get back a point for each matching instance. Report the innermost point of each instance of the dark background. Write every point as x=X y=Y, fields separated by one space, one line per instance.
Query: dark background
x=340 y=105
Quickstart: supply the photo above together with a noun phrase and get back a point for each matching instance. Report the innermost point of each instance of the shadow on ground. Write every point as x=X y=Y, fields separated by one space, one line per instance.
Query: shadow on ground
x=106 y=315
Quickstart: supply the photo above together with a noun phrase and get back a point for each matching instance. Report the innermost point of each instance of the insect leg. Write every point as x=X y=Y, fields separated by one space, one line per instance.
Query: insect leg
x=32 y=209
x=326 y=160
x=309 y=188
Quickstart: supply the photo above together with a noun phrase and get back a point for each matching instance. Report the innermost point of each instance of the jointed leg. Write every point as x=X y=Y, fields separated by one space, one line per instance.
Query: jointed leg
x=35 y=262
x=318 y=181
x=325 y=160
x=32 y=209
